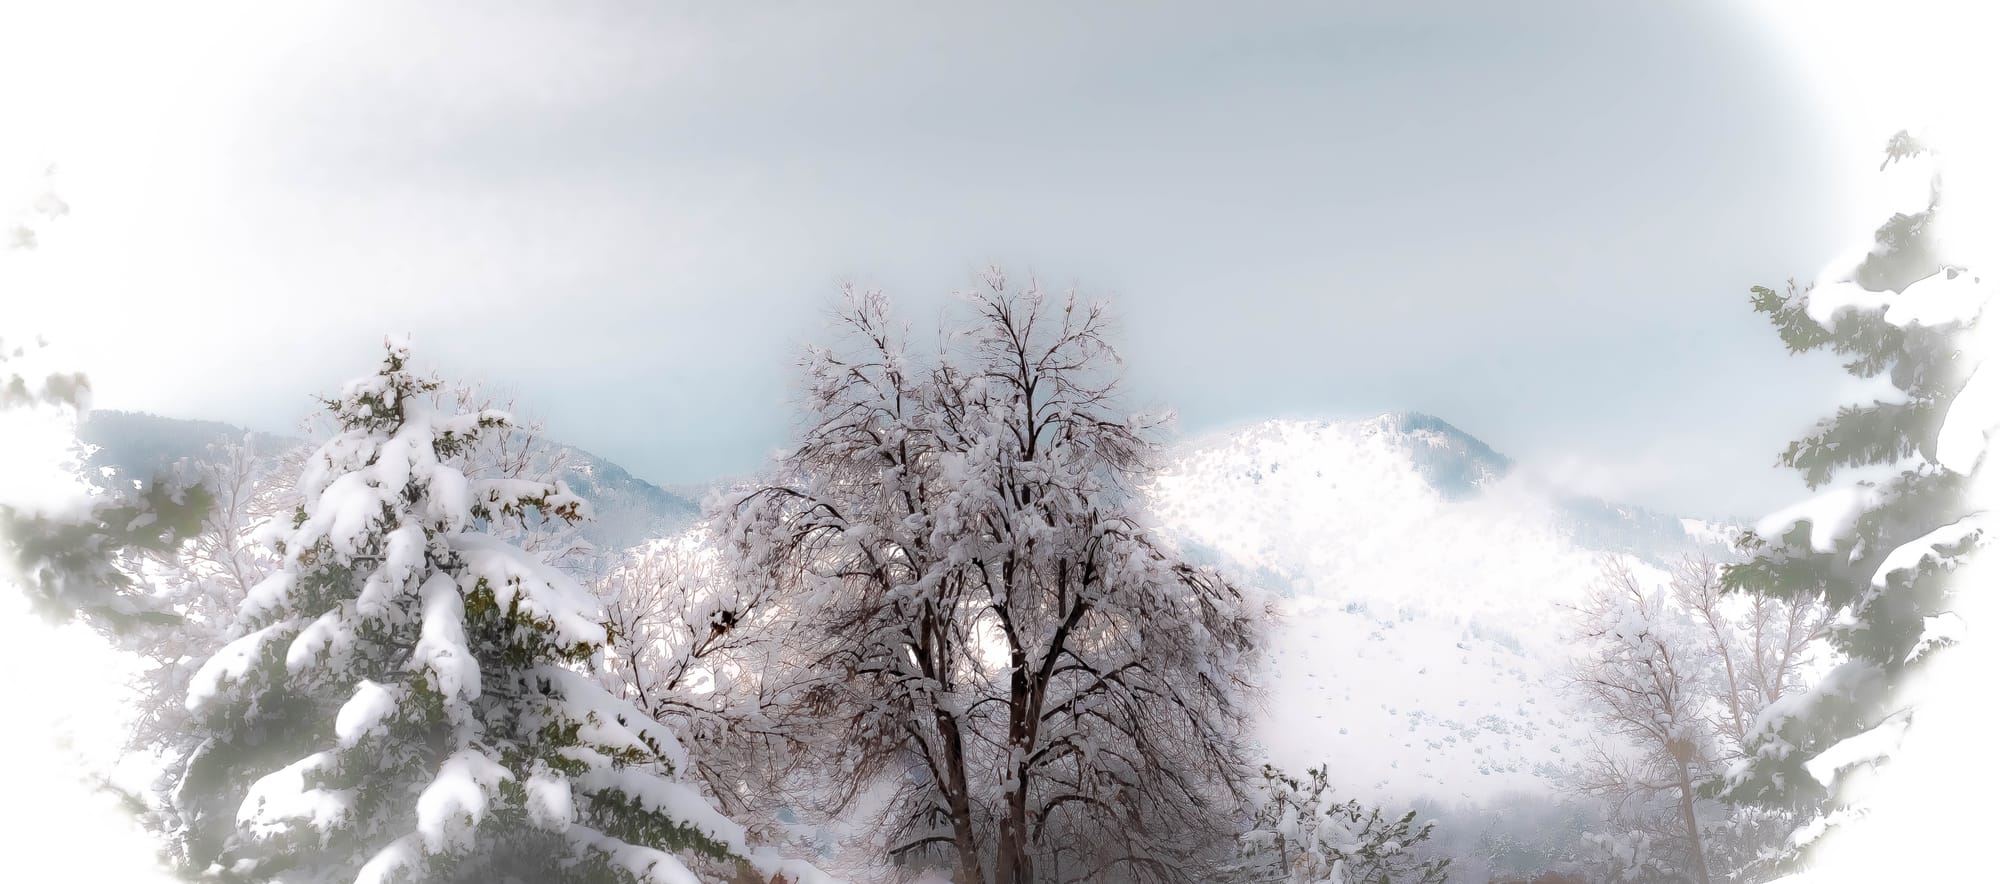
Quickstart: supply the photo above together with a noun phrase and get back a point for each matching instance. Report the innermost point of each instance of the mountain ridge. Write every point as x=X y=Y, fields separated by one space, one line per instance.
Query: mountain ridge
x=629 y=510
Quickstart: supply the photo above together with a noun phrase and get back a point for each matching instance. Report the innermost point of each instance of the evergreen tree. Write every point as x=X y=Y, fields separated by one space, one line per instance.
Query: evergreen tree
x=404 y=698
x=1878 y=551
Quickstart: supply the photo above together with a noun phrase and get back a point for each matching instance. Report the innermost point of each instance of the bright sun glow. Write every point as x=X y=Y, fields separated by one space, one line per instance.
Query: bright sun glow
x=57 y=729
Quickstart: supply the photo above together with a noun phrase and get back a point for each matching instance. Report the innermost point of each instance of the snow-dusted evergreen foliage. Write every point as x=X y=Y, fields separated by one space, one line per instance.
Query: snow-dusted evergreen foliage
x=1299 y=833
x=1880 y=552
x=403 y=699
x=200 y=584
x=1050 y=692
x=519 y=450
x=65 y=552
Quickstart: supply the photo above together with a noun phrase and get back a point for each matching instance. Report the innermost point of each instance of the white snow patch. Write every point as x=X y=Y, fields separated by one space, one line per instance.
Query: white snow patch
x=389 y=863
x=1866 y=747
x=1974 y=412
x=363 y=712
x=280 y=799
x=231 y=663
x=550 y=804
x=1945 y=297
x=456 y=800
x=1831 y=514
x=1913 y=553
x=441 y=650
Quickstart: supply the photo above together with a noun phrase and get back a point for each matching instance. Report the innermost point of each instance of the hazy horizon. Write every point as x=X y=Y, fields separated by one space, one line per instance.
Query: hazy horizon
x=1538 y=223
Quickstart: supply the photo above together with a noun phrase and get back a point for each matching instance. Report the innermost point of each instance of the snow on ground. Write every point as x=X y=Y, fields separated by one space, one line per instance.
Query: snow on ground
x=1422 y=647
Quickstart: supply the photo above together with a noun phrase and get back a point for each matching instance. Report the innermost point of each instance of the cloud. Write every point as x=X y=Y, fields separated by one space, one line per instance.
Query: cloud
x=1676 y=474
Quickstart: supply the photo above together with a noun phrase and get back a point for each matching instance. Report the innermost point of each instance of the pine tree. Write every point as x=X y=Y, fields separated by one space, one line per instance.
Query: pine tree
x=1880 y=551
x=405 y=699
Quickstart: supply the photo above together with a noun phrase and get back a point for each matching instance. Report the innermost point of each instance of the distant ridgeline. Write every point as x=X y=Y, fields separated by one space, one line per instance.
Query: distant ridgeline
x=629 y=510
x=138 y=445
x=1457 y=467
x=1451 y=460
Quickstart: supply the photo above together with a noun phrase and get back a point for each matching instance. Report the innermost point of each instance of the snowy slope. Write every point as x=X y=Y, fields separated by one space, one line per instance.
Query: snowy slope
x=1421 y=579
x=626 y=510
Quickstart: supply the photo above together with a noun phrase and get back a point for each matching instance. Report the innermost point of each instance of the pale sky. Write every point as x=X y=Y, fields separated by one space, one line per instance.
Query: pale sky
x=1536 y=220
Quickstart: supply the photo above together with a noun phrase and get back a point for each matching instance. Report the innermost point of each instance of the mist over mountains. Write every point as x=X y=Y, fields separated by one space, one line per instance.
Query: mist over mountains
x=1406 y=550
x=1421 y=580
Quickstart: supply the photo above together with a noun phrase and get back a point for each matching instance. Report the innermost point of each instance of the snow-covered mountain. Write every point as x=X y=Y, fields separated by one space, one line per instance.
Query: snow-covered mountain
x=628 y=510
x=1421 y=578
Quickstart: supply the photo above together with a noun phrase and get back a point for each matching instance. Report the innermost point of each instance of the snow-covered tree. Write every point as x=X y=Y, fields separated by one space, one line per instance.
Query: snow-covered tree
x=706 y=655
x=196 y=586
x=404 y=697
x=1049 y=691
x=62 y=533
x=1647 y=676
x=202 y=581
x=1877 y=549
x=1762 y=644
x=1300 y=833
x=521 y=450
x=1672 y=671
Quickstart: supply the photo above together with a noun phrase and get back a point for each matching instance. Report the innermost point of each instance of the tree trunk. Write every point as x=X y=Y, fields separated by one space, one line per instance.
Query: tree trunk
x=958 y=798
x=968 y=847
x=1693 y=828
x=1016 y=865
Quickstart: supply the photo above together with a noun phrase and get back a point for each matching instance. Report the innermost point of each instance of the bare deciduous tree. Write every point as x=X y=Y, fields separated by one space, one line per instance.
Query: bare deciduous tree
x=1676 y=676
x=1648 y=678
x=1052 y=692
x=1761 y=642
x=705 y=655
x=203 y=581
